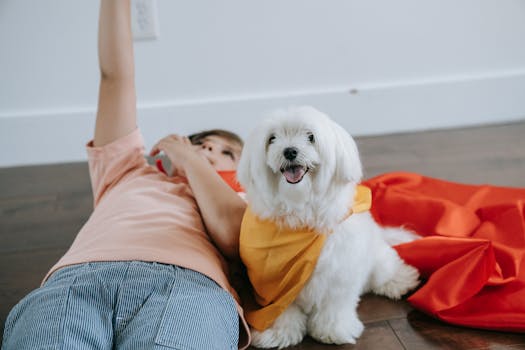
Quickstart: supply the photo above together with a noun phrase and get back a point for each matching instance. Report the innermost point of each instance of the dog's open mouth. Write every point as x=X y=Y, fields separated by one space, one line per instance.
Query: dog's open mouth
x=294 y=173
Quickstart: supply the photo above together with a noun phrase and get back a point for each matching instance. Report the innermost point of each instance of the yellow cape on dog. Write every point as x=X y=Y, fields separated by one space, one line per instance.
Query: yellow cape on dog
x=279 y=261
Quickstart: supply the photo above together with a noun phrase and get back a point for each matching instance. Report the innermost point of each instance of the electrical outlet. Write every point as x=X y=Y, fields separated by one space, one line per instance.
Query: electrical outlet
x=144 y=19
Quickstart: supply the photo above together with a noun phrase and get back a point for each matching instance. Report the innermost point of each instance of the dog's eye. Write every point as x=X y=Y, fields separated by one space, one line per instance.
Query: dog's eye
x=271 y=139
x=311 y=138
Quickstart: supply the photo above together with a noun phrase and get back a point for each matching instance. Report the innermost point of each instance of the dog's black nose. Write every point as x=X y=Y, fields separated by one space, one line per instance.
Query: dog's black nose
x=290 y=153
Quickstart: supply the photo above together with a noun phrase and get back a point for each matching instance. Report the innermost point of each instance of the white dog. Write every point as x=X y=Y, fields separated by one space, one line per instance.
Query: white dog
x=301 y=169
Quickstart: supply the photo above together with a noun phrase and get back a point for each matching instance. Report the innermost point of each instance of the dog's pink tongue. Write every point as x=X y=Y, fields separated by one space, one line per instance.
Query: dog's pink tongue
x=294 y=174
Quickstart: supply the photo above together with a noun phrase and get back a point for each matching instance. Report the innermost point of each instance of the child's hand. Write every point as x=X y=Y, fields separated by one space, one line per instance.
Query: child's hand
x=178 y=149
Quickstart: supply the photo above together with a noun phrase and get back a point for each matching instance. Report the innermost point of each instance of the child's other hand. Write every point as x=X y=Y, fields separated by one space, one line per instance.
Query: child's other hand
x=178 y=149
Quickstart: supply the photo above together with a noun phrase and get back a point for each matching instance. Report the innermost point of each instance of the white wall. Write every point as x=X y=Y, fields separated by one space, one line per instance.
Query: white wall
x=410 y=65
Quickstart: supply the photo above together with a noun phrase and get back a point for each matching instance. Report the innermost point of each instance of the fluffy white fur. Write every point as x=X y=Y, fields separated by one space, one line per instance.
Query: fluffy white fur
x=355 y=259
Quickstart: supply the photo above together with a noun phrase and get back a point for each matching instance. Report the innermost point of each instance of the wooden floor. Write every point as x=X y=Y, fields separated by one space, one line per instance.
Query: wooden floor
x=43 y=207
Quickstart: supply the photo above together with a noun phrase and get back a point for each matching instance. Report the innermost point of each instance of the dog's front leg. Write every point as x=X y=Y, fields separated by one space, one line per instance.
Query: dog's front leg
x=336 y=322
x=287 y=330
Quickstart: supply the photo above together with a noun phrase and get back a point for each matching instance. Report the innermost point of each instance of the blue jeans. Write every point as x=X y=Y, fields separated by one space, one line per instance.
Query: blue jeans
x=124 y=305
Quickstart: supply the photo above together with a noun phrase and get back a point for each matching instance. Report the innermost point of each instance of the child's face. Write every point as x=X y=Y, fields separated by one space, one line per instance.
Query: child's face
x=222 y=153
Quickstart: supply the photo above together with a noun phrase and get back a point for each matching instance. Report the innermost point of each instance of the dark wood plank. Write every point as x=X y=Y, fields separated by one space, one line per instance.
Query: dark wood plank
x=419 y=331
x=374 y=308
x=31 y=265
x=42 y=180
x=42 y=222
x=491 y=154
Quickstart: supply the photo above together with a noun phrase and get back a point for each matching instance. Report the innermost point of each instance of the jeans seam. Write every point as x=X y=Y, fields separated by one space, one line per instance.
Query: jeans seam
x=60 y=342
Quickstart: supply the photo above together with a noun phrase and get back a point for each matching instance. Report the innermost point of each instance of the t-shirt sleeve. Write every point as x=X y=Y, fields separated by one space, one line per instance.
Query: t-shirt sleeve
x=108 y=164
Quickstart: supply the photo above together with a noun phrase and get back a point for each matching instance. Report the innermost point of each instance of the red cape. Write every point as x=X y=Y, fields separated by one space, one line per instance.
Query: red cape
x=472 y=254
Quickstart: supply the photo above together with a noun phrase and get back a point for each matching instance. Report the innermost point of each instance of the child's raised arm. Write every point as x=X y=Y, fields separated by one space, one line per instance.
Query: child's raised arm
x=116 y=114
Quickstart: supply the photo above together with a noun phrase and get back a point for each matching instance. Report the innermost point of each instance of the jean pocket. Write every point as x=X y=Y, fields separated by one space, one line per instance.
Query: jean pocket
x=37 y=320
x=199 y=317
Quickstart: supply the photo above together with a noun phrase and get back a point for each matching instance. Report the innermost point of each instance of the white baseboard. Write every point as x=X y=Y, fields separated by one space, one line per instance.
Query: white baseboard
x=43 y=137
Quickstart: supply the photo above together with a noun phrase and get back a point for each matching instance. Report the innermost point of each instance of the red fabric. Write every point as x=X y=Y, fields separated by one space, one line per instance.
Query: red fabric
x=472 y=255
x=230 y=177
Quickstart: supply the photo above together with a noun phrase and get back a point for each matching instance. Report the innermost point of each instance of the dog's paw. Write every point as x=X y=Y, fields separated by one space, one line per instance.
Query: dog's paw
x=288 y=329
x=275 y=338
x=405 y=279
x=329 y=330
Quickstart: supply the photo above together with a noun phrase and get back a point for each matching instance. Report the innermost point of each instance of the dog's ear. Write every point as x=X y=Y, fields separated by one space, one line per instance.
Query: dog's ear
x=348 y=164
x=252 y=170
x=243 y=168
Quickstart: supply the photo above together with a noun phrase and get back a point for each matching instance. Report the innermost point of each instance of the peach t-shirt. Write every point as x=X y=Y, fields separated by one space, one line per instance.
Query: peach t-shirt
x=142 y=214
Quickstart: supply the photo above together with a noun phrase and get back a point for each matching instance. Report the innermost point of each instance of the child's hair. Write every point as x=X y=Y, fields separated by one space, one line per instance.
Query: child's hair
x=197 y=137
